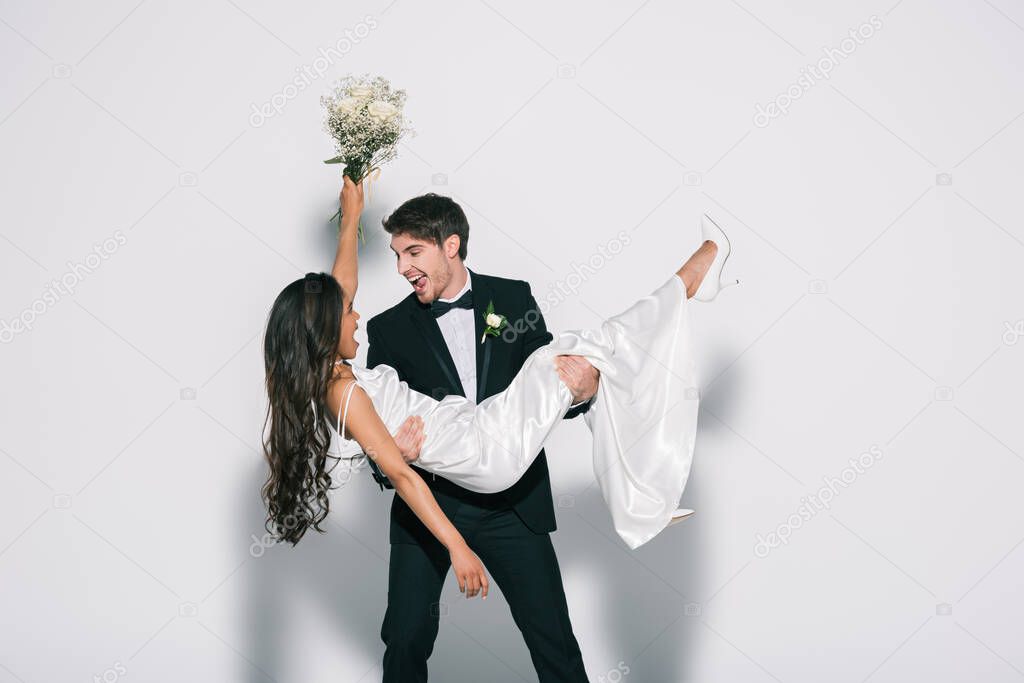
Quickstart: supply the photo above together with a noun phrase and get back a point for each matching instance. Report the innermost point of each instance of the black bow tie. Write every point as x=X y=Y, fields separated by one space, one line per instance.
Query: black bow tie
x=439 y=308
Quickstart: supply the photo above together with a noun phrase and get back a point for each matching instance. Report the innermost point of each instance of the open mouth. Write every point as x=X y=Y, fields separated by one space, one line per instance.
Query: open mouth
x=419 y=283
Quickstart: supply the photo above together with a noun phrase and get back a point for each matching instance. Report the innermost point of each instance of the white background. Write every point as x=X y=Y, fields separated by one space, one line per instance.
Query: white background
x=874 y=311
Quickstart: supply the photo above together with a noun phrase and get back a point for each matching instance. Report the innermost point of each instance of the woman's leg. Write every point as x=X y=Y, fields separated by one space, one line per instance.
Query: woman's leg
x=696 y=267
x=692 y=273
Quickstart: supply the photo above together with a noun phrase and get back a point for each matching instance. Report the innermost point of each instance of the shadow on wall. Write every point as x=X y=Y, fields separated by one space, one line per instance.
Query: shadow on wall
x=339 y=573
x=654 y=596
x=344 y=576
x=643 y=593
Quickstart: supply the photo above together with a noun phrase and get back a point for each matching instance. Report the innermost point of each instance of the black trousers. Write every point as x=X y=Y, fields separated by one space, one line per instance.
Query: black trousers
x=523 y=565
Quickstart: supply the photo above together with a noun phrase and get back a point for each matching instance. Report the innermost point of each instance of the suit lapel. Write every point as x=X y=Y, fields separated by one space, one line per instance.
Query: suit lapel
x=482 y=294
x=424 y=320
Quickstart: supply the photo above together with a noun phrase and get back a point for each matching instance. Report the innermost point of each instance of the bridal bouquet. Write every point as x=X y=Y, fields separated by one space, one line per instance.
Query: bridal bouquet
x=364 y=117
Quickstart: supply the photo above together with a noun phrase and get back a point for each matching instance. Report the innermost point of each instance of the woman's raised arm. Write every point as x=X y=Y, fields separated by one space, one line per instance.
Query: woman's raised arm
x=346 y=260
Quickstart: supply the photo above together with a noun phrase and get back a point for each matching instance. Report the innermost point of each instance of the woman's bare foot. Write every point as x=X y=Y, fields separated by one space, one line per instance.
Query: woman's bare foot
x=696 y=267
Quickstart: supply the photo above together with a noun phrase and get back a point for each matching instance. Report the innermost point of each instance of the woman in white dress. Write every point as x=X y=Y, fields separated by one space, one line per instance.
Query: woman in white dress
x=643 y=418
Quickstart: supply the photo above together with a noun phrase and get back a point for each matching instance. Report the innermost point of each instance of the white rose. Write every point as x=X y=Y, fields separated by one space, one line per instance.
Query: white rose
x=493 y=320
x=348 y=105
x=381 y=111
x=360 y=92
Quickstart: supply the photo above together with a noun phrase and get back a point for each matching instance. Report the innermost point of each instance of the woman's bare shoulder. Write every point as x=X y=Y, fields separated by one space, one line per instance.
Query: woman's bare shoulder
x=336 y=390
x=360 y=406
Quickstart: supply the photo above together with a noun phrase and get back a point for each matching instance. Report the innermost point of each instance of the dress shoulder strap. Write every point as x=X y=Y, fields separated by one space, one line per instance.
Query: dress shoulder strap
x=343 y=414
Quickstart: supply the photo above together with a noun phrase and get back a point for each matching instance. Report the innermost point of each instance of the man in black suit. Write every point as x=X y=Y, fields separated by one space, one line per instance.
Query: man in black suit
x=435 y=339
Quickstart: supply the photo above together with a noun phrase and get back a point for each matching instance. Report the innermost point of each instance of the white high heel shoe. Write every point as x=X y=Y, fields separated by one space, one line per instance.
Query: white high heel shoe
x=679 y=515
x=712 y=283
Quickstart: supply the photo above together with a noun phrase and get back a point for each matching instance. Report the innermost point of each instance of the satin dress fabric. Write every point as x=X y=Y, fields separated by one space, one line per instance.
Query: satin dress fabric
x=643 y=418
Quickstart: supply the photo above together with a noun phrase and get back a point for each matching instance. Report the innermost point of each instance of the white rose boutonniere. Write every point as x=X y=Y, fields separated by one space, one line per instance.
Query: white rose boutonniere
x=495 y=322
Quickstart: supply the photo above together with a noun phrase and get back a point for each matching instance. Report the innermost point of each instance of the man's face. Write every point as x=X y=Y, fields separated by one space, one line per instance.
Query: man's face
x=424 y=265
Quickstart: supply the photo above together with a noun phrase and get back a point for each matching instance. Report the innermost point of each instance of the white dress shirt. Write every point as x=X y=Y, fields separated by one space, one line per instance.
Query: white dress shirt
x=459 y=331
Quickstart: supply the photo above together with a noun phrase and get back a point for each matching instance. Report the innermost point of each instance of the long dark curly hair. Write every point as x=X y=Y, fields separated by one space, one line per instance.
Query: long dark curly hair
x=299 y=350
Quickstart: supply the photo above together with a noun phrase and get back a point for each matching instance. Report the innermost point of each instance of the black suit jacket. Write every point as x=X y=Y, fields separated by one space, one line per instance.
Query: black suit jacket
x=407 y=338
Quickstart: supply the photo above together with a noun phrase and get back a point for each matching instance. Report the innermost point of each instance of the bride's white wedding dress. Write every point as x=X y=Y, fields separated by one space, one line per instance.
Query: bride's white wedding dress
x=643 y=418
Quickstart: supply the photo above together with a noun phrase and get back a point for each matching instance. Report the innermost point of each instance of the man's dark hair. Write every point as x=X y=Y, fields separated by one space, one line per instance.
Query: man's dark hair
x=432 y=218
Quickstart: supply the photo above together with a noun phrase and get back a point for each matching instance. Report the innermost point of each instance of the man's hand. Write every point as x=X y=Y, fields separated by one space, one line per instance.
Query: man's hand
x=409 y=438
x=579 y=375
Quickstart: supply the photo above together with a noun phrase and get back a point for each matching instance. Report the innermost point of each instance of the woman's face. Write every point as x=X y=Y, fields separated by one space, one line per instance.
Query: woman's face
x=347 y=344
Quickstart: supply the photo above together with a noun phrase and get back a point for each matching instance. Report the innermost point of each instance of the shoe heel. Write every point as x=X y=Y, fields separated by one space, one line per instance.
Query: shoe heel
x=713 y=284
x=680 y=515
